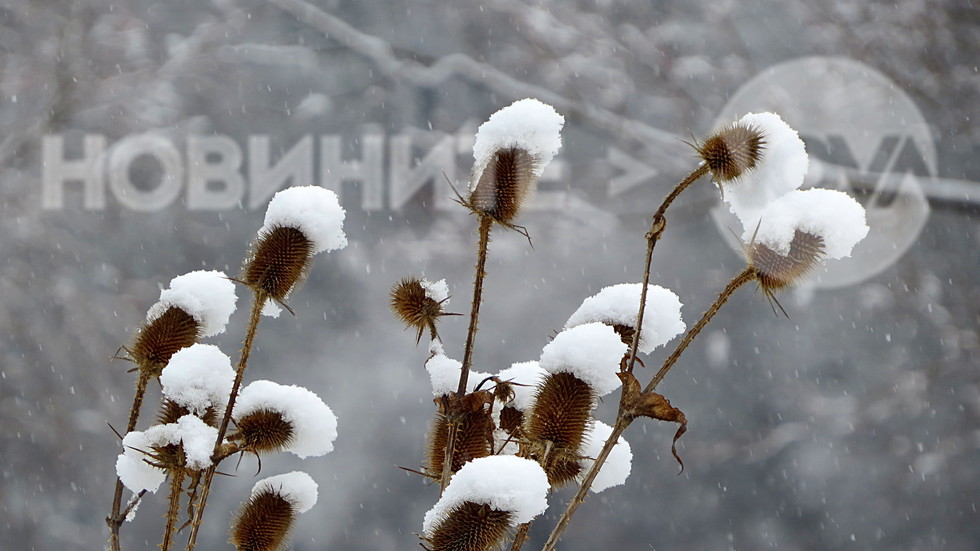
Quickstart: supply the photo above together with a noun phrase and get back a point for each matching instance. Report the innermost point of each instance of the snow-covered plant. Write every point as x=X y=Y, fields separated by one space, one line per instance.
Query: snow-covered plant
x=202 y=394
x=542 y=411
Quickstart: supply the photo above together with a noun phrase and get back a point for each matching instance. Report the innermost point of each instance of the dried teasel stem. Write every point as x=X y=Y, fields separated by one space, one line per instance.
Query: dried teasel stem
x=173 y=508
x=747 y=275
x=573 y=505
x=486 y=223
x=622 y=421
x=259 y=298
x=657 y=226
x=520 y=537
x=156 y=342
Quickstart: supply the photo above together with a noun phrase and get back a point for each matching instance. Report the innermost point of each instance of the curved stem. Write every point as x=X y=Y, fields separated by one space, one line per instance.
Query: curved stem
x=258 y=301
x=566 y=517
x=657 y=226
x=748 y=274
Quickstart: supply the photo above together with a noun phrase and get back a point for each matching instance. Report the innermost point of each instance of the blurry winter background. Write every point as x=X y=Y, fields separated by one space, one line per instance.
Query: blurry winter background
x=854 y=424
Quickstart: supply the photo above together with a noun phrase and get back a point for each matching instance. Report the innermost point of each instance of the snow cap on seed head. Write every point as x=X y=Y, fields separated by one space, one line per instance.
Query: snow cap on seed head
x=591 y=351
x=313 y=210
x=313 y=425
x=781 y=167
x=198 y=377
x=207 y=296
x=504 y=482
x=510 y=152
x=617 y=305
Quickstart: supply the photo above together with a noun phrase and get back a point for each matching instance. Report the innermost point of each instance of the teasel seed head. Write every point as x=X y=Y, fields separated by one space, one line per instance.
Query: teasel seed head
x=505 y=183
x=265 y=519
x=470 y=527
x=474 y=436
x=263 y=523
x=263 y=430
x=732 y=151
x=556 y=425
x=279 y=259
x=161 y=338
x=413 y=304
x=775 y=271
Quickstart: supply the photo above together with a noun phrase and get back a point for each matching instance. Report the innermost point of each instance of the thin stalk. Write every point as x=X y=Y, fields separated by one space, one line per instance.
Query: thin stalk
x=623 y=422
x=176 y=489
x=566 y=517
x=520 y=537
x=486 y=223
x=657 y=226
x=115 y=518
x=258 y=301
x=747 y=275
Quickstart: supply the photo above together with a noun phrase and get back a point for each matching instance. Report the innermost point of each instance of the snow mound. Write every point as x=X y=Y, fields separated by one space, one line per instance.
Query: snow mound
x=198 y=377
x=780 y=169
x=617 y=467
x=504 y=482
x=207 y=296
x=592 y=352
x=525 y=377
x=297 y=487
x=833 y=215
x=618 y=305
x=313 y=210
x=526 y=124
x=314 y=424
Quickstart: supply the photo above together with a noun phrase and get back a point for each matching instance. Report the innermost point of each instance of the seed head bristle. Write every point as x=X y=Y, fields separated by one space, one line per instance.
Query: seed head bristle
x=506 y=182
x=732 y=151
x=555 y=427
x=625 y=332
x=413 y=306
x=161 y=338
x=263 y=430
x=775 y=272
x=470 y=527
x=278 y=261
x=263 y=523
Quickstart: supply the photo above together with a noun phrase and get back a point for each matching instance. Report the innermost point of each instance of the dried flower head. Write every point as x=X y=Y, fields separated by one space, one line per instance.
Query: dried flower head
x=299 y=222
x=418 y=304
x=776 y=271
x=510 y=152
x=505 y=183
x=732 y=151
x=555 y=427
x=263 y=430
x=158 y=340
x=170 y=412
x=265 y=519
x=483 y=501
x=279 y=259
x=470 y=527
x=263 y=523
x=474 y=434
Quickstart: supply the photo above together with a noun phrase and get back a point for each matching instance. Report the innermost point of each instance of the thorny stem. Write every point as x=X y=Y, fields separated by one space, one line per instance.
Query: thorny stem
x=566 y=517
x=520 y=537
x=115 y=519
x=176 y=489
x=657 y=226
x=258 y=301
x=486 y=223
x=748 y=274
